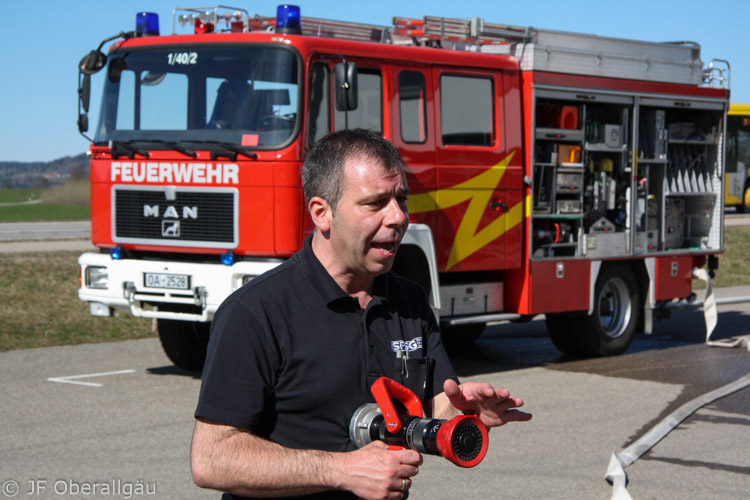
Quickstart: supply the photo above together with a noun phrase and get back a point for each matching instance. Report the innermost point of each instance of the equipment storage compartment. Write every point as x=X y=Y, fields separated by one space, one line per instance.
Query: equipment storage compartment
x=681 y=168
x=582 y=175
x=606 y=222
x=558 y=177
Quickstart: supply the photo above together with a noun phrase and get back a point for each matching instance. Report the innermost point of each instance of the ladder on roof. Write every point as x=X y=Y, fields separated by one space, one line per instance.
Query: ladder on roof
x=474 y=30
x=535 y=49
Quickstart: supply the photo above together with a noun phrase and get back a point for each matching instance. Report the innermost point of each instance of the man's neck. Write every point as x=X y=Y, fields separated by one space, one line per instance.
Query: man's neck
x=358 y=287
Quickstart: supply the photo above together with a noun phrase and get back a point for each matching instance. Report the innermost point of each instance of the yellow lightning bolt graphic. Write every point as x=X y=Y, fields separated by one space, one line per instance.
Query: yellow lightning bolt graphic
x=479 y=190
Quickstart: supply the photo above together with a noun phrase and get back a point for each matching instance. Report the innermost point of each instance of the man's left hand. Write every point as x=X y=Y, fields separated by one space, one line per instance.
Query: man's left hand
x=495 y=407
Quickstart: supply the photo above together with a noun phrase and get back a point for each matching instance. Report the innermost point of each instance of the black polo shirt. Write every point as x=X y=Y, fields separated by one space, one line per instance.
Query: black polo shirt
x=291 y=355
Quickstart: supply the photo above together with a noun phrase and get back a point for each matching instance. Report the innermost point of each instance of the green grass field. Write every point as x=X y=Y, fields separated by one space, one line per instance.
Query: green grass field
x=40 y=305
x=60 y=203
x=18 y=195
x=43 y=212
x=734 y=263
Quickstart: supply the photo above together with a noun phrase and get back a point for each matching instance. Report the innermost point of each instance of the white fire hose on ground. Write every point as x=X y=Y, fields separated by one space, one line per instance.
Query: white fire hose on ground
x=620 y=460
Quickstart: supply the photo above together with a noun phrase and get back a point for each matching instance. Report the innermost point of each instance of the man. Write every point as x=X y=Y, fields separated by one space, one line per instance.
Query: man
x=292 y=355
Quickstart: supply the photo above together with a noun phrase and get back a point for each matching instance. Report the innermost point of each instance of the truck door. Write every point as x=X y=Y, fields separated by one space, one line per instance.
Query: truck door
x=478 y=192
x=413 y=132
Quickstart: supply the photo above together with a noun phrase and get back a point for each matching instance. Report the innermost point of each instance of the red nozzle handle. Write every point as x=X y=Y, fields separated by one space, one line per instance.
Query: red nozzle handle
x=384 y=390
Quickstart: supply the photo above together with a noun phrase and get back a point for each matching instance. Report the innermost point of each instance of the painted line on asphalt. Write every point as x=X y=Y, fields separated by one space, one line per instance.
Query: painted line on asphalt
x=74 y=379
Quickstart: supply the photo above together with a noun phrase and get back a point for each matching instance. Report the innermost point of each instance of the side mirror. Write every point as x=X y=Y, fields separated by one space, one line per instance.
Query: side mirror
x=84 y=91
x=83 y=122
x=84 y=96
x=92 y=62
x=345 y=81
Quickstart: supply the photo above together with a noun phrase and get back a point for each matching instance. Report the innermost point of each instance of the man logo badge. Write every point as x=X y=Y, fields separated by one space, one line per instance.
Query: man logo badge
x=170 y=228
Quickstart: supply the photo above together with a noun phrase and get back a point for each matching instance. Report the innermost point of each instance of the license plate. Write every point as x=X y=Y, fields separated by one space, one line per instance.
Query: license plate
x=162 y=280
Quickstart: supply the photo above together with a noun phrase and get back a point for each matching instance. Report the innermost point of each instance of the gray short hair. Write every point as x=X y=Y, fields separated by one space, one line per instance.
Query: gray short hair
x=323 y=170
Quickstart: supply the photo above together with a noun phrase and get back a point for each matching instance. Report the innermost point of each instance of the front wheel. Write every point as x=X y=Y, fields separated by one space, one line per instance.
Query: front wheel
x=617 y=308
x=184 y=342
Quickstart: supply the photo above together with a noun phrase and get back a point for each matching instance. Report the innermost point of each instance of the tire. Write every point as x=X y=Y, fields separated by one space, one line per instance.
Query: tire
x=744 y=207
x=184 y=342
x=617 y=309
x=461 y=334
x=561 y=329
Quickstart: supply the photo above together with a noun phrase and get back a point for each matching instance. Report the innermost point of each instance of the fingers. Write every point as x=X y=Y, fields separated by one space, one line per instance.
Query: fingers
x=375 y=472
x=494 y=406
x=402 y=484
x=451 y=388
x=405 y=456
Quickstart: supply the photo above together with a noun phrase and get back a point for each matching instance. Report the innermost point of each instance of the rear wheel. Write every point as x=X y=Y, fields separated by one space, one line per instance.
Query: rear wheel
x=184 y=342
x=617 y=307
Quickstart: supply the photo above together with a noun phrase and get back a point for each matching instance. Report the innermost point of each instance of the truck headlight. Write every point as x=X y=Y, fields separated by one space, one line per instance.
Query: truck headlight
x=97 y=277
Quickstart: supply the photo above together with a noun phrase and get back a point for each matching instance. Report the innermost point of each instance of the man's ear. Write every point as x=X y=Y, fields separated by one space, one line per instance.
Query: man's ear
x=321 y=213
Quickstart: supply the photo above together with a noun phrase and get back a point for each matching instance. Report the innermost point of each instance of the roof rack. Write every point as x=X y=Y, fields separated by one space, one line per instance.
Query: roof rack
x=535 y=49
x=312 y=26
x=474 y=30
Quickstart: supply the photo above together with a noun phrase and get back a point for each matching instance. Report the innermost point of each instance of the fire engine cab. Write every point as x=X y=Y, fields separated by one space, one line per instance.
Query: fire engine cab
x=555 y=173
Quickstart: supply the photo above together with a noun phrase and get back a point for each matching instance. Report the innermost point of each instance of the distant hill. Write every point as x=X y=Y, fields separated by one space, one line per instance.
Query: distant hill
x=38 y=174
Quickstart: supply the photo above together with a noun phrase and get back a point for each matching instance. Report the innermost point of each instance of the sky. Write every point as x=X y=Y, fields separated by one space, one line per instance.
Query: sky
x=42 y=42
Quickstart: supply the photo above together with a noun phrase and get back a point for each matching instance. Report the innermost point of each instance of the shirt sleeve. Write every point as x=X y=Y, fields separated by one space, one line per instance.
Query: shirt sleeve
x=238 y=375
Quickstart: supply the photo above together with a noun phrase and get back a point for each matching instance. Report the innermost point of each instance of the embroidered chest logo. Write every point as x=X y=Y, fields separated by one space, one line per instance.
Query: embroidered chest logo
x=406 y=345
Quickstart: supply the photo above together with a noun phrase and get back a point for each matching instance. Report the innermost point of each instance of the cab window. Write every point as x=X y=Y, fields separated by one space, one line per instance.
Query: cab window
x=412 y=107
x=466 y=105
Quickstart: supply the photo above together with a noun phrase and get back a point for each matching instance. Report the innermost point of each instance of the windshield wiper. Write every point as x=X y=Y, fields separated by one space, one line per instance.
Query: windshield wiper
x=218 y=149
x=230 y=151
x=131 y=150
x=171 y=145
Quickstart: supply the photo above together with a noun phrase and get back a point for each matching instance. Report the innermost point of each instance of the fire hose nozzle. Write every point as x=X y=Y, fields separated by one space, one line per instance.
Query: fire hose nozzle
x=462 y=440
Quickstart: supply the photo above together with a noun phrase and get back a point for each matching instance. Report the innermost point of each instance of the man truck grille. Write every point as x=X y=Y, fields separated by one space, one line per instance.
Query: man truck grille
x=174 y=216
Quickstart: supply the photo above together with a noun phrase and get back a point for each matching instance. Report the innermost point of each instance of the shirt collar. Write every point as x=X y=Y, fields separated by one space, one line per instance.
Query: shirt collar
x=329 y=290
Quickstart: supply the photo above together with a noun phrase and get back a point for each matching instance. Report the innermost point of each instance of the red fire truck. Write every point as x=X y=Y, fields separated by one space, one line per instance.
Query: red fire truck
x=555 y=173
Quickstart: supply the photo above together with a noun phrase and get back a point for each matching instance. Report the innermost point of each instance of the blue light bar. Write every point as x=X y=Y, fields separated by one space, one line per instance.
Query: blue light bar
x=288 y=19
x=116 y=253
x=227 y=259
x=146 y=24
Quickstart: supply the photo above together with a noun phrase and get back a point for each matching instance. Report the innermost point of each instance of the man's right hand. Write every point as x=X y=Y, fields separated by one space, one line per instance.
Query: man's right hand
x=374 y=472
x=233 y=460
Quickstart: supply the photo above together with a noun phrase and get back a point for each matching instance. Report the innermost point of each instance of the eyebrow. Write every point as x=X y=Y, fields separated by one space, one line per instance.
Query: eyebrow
x=385 y=194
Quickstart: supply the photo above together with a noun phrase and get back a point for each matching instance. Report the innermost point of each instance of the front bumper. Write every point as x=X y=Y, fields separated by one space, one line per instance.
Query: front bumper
x=125 y=289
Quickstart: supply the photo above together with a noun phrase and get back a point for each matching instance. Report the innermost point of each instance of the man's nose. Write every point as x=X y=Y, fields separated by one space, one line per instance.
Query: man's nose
x=397 y=213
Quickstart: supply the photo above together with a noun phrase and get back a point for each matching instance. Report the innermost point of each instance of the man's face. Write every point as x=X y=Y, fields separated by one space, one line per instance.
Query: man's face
x=370 y=218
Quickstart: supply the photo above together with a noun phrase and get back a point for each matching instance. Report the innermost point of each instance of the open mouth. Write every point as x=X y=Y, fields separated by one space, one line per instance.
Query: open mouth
x=386 y=247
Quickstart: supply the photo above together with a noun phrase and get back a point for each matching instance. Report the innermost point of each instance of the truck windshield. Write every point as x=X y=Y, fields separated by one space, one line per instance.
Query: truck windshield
x=246 y=96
